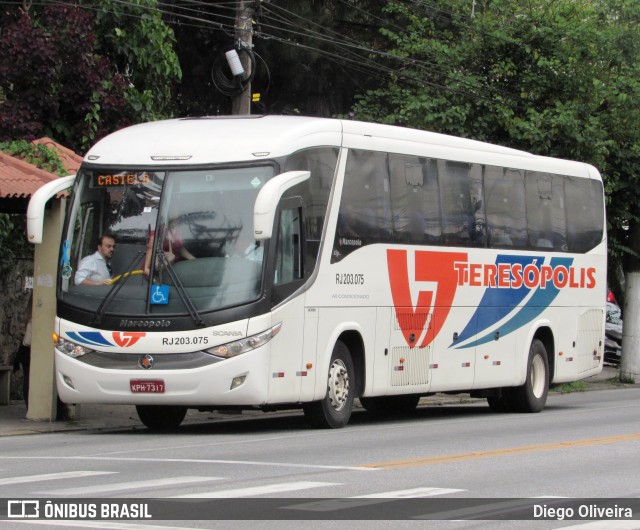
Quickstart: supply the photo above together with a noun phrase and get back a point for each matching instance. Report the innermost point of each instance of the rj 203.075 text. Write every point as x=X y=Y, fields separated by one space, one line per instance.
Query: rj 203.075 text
x=181 y=341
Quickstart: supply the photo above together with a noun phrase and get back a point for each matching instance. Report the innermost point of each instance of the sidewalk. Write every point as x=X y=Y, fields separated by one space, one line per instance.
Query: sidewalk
x=105 y=417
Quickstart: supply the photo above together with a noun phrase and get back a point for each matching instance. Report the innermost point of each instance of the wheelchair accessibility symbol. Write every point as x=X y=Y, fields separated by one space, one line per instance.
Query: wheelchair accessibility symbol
x=159 y=294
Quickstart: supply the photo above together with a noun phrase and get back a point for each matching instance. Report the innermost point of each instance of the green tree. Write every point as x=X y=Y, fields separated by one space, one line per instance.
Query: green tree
x=13 y=240
x=319 y=52
x=58 y=79
x=311 y=57
x=555 y=78
x=141 y=45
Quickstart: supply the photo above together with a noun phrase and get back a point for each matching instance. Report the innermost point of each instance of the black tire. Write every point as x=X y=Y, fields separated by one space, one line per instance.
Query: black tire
x=334 y=410
x=390 y=405
x=532 y=396
x=162 y=418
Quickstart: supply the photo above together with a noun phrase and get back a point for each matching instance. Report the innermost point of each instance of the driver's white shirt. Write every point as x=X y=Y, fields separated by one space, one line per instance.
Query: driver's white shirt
x=92 y=267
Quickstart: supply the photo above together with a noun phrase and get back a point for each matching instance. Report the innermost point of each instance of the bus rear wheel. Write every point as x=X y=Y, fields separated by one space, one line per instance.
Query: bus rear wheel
x=532 y=396
x=161 y=418
x=334 y=411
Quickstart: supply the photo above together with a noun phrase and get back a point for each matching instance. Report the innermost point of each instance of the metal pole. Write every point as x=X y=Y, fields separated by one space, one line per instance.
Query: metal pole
x=244 y=32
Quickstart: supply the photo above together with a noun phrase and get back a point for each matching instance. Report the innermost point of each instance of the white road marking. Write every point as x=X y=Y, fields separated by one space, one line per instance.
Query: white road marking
x=365 y=500
x=124 y=486
x=190 y=461
x=257 y=490
x=52 y=476
x=611 y=524
x=413 y=493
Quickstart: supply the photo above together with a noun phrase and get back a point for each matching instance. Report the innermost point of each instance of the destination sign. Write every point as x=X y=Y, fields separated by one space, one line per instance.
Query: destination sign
x=141 y=178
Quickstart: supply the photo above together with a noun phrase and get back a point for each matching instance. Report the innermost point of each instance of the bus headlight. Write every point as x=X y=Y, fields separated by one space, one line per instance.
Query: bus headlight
x=238 y=347
x=68 y=347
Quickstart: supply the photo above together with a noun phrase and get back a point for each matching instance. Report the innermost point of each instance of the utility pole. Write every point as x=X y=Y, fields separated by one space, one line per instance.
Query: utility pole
x=241 y=104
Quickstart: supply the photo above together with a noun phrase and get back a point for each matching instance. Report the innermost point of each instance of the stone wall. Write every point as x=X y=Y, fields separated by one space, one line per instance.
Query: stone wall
x=16 y=285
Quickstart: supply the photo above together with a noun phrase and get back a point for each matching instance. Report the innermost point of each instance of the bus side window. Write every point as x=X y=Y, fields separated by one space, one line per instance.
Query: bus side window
x=288 y=272
x=86 y=228
x=458 y=213
x=289 y=248
x=585 y=230
x=546 y=217
x=478 y=229
x=505 y=203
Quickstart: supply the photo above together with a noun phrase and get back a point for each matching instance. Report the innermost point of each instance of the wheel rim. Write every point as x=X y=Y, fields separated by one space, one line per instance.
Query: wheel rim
x=538 y=376
x=338 y=390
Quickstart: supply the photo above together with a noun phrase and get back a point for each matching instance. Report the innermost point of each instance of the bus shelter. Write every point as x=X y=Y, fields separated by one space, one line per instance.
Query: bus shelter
x=19 y=181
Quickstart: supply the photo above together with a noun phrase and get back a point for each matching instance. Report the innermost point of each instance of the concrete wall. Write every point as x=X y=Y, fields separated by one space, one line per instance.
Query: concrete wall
x=16 y=283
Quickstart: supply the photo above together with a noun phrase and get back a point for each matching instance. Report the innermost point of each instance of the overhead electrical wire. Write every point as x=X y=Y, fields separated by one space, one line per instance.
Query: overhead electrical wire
x=349 y=52
x=356 y=61
x=410 y=67
x=367 y=64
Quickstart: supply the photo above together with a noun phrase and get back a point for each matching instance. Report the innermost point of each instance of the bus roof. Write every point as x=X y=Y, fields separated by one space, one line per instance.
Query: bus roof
x=210 y=140
x=221 y=139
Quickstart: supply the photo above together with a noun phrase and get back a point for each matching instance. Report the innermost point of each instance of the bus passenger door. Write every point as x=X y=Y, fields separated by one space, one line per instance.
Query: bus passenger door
x=286 y=271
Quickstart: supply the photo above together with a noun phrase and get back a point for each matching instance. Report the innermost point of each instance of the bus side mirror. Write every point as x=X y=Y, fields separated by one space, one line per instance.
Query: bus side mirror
x=35 y=210
x=264 y=210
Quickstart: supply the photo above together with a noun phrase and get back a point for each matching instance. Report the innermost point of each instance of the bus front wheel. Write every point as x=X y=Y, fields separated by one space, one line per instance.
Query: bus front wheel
x=334 y=411
x=532 y=396
x=161 y=417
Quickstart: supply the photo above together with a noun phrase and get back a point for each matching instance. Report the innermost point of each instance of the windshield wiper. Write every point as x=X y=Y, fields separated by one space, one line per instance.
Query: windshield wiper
x=159 y=261
x=113 y=291
x=182 y=292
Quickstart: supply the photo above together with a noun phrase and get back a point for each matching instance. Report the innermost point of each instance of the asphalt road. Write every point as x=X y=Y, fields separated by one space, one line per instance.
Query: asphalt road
x=583 y=445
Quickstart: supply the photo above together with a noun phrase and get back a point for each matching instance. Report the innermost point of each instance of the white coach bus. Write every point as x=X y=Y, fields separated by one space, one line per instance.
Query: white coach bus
x=306 y=262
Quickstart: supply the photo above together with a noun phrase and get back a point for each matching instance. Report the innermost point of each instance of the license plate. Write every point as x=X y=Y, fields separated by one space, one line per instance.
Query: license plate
x=147 y=386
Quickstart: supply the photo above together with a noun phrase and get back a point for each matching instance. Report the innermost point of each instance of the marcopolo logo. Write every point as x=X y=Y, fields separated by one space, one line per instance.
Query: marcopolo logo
x=424 y=285
x=162 y=323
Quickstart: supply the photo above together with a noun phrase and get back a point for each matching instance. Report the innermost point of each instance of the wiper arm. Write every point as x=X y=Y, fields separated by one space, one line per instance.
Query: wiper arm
x=115 y=288
x=159 y=262
x=193 y=312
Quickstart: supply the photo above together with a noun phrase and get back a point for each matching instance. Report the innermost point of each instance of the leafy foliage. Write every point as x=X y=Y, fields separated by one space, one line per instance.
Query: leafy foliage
x=13 y=241
x=305 y=58
x=13 y=226
x=317 y=52
x=555 y=78
x=57 y=80
x=41 y=156
x=139 y=43
x=51 y=80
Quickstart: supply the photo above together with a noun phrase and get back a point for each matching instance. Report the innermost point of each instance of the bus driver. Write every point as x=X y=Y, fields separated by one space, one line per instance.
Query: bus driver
x=95 y=269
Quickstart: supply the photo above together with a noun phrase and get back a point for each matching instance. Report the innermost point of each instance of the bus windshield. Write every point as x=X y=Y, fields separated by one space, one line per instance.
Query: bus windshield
x=146 y=242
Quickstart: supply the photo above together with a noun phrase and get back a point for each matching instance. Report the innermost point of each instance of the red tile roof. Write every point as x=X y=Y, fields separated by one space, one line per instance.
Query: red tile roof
x=70 y=160
x=20 y=179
